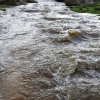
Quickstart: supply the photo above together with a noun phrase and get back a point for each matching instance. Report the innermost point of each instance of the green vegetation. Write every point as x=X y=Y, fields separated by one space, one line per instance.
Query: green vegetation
x=87 y=8
x=3 y=7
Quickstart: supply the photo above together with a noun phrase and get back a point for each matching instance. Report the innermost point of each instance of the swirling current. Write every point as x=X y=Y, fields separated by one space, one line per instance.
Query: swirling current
x=48 y=52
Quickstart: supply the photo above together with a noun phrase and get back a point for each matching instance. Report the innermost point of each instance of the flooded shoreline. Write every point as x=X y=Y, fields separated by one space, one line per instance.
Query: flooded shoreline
x=48 y=52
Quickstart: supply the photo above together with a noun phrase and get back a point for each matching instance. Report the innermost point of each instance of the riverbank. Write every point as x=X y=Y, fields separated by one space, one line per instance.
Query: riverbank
x=93 y=8
x=87 y=8
x=3 y=7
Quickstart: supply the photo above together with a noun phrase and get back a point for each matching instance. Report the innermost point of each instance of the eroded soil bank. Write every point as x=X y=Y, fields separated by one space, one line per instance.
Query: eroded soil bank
x=48 y=52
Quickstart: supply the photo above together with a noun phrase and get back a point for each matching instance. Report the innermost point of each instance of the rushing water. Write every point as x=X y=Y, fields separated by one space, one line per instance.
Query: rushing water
x=48 y=52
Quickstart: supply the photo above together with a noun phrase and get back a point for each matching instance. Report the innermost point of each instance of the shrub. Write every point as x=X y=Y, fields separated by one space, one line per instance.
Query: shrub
x=93 y=8
x=3 y=7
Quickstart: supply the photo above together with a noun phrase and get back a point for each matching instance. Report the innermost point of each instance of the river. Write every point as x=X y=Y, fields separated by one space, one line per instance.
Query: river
x=48 y=52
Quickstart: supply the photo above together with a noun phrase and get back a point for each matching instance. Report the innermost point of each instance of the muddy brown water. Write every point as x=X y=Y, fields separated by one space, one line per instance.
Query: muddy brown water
x=48 y=52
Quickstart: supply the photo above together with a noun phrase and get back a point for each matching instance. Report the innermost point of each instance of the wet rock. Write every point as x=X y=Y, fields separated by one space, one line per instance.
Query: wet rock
x=74 y=36
x=73 y=32
x=63 y=39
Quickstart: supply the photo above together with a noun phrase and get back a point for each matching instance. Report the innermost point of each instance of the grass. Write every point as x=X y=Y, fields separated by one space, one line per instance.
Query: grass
x=3 y=7
x=87 y=8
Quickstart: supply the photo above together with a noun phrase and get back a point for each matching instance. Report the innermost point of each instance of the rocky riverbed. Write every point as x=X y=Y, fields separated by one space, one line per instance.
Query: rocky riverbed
x=48 y=52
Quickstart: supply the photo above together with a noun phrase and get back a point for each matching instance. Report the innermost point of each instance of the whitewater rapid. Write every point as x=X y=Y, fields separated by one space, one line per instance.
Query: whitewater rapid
x=48 y=52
